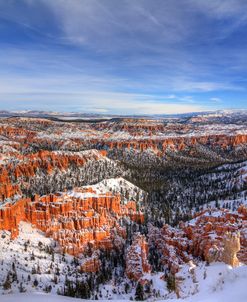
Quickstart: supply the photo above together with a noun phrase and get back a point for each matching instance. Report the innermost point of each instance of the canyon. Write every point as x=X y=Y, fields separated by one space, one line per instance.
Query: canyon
x=130 y=202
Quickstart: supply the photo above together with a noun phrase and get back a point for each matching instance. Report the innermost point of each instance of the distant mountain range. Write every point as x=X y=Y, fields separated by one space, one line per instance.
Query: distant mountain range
x=79 y=115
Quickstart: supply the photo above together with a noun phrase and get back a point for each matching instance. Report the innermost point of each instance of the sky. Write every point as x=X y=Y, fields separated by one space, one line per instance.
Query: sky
x=123 y=56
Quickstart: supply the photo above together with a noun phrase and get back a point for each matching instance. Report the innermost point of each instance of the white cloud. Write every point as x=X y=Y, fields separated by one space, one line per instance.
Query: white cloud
x=183 y=84
x=88 y=101
x=86 y=94
x=152 y=49
x=215 y=99
x=95 y=23
x=170 y=96
x=221 y=9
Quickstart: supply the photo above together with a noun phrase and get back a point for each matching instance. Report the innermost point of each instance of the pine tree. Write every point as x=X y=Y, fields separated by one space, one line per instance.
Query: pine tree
x=22 y=288
x=139 y=295
x=7 y=283
x=35 y=283
x=171 y=282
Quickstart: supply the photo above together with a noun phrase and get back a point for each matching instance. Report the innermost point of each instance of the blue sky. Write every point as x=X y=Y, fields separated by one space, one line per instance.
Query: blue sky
x=123 y=56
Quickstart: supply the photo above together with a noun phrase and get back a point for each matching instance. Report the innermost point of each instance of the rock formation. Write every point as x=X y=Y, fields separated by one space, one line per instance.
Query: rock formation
x=91 y=265
x=135 y=134
x=231 y=244
x=136 y=259
x=214 y=235
x=74 y=219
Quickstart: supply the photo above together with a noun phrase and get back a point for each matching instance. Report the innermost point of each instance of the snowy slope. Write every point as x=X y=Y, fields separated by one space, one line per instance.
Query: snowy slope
x=214 y=283
x=31 y=250
x=113 y=183
x=221 y=284
x=118 y=185
x=36 y=297
x=40 y=297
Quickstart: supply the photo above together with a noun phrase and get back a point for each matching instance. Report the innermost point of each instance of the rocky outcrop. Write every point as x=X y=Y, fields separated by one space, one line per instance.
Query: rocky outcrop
x=8 y=190
x=91 y=265
x=214 y=235
x=231 y=244
x=136 y=259
x=179 y=143
x=11 y=214
x=172 y=246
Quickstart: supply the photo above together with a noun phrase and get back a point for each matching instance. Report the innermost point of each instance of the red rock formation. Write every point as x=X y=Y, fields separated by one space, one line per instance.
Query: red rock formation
x=179 y=143
x=8 y=191
x=136 y=260
x=91 y=265
x=211 y=236
x=231 y=244
x=140 y=135
x=11 y=214
x=74 y=219
x=17 y=173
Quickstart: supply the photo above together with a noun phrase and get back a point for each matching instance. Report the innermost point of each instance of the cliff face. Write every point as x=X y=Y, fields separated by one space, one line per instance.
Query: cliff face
x=91 y=265
x=182 y=143
x=165 y=138
x=11 y=214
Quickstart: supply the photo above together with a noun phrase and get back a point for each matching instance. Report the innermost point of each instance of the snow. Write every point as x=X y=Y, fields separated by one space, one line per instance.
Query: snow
x=81 y=195
x=116 y=185
x=221 y=284
x=41 y=297
x=110 y=133
x=158 y=283
x=37 y=297
x=113 y=183
x=13 y=251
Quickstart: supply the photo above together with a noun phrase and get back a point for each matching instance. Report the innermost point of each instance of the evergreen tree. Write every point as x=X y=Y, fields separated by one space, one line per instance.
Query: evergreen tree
x=171 y=282
x=7 y=282
x=139 y=294
x=21 y=288
x=35 y=283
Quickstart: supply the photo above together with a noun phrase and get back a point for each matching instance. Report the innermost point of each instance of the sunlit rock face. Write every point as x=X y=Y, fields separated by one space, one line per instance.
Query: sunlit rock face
x=232 y=246
x=74 y=218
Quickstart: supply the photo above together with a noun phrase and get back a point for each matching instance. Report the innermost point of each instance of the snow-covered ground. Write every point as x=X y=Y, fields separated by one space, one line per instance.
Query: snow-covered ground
x=34 y=259
x=36 y=297
x=220 y=284
x=215 y=283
